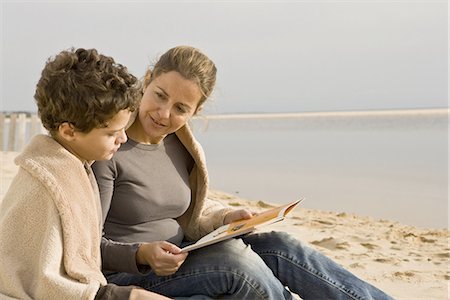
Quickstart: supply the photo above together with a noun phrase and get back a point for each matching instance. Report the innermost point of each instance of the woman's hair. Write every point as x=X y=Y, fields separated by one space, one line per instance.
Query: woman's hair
x=190 y=63
x=84 y=88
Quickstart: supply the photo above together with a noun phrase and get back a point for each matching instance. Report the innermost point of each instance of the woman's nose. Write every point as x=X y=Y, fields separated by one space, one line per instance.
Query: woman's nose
x=164 y=112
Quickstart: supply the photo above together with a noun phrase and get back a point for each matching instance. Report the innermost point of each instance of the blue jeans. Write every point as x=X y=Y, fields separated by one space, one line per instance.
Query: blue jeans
x=256 y=266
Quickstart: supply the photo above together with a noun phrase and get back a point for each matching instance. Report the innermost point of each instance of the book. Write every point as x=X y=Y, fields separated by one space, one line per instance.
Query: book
x=244 y=226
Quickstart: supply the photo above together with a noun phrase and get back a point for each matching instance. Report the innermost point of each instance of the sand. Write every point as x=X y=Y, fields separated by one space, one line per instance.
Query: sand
x=405 y=261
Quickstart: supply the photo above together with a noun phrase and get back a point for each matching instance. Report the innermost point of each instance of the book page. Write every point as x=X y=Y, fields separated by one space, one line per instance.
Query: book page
x=269 y=216
x=244 y=226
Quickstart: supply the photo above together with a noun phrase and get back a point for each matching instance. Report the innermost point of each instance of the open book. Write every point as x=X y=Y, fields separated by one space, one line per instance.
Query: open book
x=244 y=226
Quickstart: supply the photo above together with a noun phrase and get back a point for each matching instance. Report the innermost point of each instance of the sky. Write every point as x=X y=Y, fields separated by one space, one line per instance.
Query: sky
x=272 y=56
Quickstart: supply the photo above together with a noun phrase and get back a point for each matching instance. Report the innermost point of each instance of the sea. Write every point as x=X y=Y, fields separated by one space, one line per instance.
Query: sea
x=384 y=164
x=388 y=164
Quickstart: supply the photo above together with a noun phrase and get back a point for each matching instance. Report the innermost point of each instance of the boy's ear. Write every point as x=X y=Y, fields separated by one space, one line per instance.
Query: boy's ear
x=67 y=131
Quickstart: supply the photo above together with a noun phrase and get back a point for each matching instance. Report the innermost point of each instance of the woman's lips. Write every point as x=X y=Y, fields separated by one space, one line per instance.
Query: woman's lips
x=157 y=123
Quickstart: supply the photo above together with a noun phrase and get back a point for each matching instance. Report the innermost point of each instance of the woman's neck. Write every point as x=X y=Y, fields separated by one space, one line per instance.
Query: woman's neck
x=136 y=133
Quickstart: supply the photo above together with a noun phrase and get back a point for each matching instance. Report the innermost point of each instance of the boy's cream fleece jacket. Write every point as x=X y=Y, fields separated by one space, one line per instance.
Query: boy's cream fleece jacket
x=50 y=227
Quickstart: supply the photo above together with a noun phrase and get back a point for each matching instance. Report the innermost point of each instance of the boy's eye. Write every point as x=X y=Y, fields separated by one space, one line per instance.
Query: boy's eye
x=114 y=133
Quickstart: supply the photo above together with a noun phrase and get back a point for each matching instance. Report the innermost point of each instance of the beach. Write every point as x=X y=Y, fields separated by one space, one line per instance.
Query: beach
x=407 y=262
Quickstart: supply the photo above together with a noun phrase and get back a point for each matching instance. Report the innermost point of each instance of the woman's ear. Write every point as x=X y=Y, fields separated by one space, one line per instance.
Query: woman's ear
x=147 y=79
x=66 y=131
x=133 y=116
x=198 y=110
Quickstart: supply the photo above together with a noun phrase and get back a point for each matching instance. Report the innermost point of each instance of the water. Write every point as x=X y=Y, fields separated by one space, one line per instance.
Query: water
x=388 y=165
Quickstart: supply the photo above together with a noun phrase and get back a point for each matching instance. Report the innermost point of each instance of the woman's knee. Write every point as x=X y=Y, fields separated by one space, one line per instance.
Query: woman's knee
x=234 y=253
x=237 y=259
x=274 y=240
x=240 y=270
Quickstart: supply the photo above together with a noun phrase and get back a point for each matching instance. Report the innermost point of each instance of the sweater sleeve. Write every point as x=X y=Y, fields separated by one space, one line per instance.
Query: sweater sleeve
x=121 y=257
x=116 y=256
x=105 y=174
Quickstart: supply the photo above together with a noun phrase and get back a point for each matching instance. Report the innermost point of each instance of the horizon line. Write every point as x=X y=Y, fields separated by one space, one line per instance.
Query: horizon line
x=346 y=113
x=372 y=112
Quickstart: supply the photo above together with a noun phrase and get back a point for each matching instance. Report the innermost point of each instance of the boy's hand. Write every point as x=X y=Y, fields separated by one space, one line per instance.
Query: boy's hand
x=238 y=215
x=163 y=257
x=141 y=294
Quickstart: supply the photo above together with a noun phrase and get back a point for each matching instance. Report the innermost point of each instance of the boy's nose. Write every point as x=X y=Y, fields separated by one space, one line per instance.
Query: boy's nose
x=122 y=137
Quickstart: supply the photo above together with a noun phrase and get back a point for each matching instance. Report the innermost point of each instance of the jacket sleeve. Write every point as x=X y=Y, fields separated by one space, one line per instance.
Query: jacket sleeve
x=216 y=211
x=211 y=217
x=31 y=246
x=203 y=215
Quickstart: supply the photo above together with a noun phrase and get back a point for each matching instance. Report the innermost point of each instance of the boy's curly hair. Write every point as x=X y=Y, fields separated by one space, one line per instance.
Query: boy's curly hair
x=84 y=88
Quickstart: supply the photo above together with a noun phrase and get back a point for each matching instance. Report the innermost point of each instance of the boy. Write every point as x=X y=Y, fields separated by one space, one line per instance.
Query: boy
x=50 y=217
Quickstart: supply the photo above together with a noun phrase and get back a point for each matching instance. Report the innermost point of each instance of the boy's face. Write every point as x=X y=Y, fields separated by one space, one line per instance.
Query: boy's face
x=101 y=143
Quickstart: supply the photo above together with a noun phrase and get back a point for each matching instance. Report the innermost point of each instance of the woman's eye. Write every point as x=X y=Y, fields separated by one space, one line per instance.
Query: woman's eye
x=181 y=109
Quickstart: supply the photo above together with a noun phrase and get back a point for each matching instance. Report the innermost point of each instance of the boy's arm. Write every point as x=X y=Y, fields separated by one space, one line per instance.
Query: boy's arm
x=113 y=292
x=31 y=252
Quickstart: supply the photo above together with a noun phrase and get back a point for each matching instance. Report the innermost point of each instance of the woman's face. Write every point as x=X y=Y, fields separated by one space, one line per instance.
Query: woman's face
x=169 y=101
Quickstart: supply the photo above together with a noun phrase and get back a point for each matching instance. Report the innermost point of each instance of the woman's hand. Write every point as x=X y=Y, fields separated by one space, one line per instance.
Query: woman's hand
x=141 y=294
x=163 y=257
x=236 y=215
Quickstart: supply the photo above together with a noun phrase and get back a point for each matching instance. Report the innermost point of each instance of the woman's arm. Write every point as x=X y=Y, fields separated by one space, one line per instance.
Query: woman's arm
x=116 y=256
x=105 y=173
x=121 y=257
x=163 y=257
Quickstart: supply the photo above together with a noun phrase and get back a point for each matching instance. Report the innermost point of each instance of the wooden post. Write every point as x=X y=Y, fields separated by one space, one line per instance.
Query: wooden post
x=35 y=125
x=21 y=132
x=2 y=129
x=12 y=132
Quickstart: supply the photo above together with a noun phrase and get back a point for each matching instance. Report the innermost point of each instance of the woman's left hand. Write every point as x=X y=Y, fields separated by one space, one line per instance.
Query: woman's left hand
x=237 y=215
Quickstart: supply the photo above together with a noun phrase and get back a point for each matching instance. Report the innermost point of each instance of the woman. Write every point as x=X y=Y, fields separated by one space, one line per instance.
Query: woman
x=154 y=201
